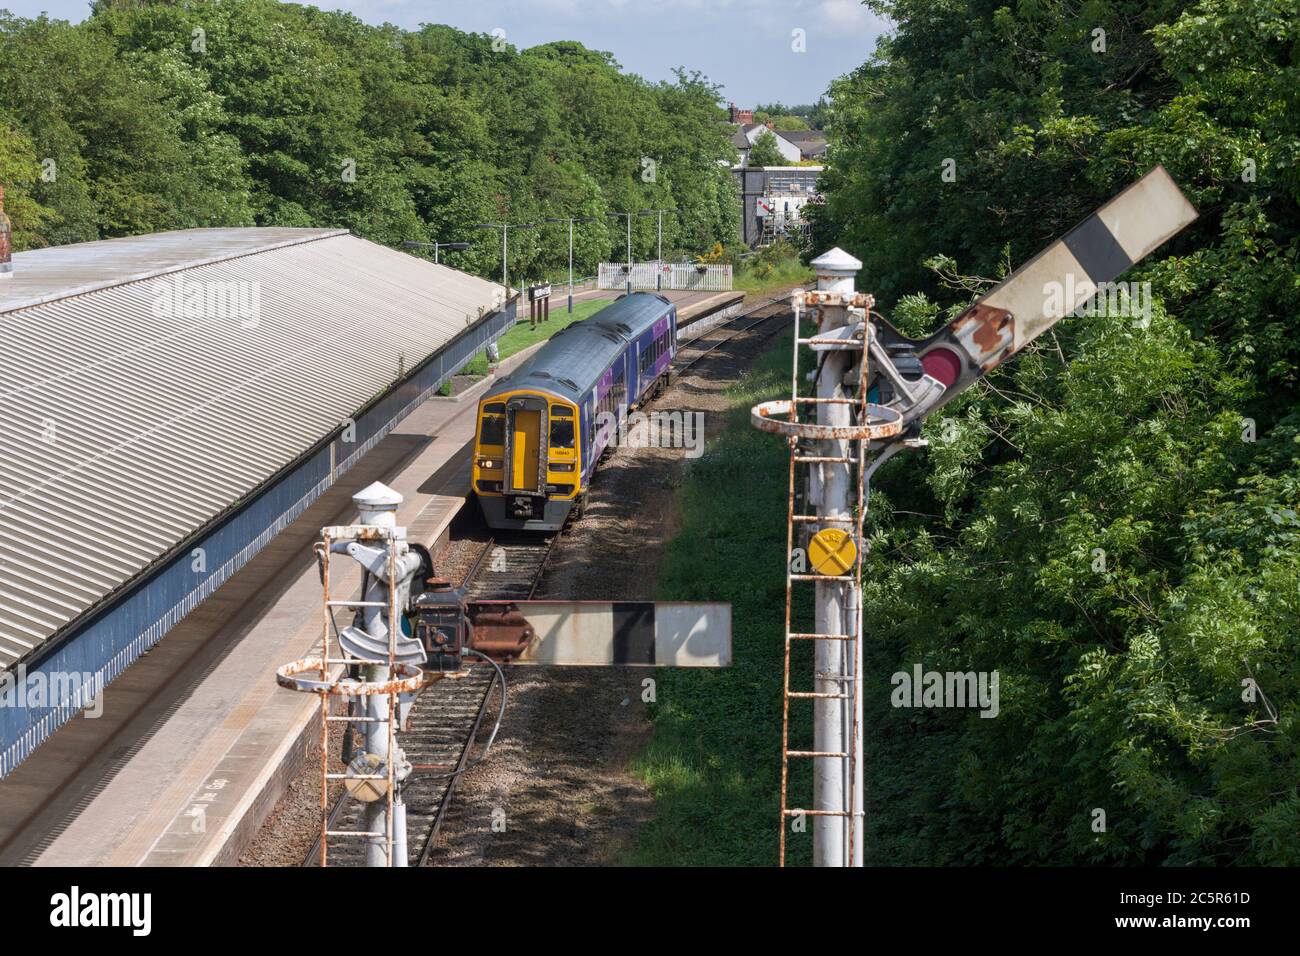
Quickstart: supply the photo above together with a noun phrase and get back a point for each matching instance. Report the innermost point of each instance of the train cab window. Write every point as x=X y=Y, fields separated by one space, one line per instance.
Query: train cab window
x=561 y=432
x=559 y=411
x=493 y=429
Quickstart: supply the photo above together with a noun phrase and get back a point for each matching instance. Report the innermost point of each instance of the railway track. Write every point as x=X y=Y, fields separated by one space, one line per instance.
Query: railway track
x=509 y=567
x=692 y=351
x=441 y=727
x=447 y=716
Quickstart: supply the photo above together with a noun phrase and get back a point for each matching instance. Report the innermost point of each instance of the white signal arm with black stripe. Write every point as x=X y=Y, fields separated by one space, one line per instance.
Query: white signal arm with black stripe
x=917 y=376
x=602 y=633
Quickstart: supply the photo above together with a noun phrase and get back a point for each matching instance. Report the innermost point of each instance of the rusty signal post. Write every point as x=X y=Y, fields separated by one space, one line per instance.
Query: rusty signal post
x=874 y=388
x=410 y=629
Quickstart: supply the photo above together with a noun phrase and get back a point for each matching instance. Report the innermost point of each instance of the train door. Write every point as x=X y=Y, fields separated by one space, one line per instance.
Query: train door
x=634 y=367
x=525 y=454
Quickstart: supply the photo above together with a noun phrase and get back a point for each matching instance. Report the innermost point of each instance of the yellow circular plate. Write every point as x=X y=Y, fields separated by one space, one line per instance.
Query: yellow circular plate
x=367 y=791
x=832 y=551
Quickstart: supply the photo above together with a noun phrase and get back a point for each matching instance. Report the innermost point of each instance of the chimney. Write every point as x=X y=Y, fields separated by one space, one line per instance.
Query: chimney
x=6 y=241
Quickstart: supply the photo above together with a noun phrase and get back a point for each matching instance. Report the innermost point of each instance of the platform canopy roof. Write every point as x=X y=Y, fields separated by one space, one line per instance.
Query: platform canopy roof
x=152 y=383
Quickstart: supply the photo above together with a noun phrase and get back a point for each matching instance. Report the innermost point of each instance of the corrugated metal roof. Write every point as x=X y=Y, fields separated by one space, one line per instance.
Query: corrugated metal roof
x=150 y=383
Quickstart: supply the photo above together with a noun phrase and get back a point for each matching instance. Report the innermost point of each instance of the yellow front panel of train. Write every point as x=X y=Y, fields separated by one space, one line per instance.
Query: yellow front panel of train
x=524 y=449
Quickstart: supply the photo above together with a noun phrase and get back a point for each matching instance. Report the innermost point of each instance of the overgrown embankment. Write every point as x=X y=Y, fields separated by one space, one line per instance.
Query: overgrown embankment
x=714 y=760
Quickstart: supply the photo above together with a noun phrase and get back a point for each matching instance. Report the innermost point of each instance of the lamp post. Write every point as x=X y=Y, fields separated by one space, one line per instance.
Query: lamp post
x=505 y=228
x=435 y=246
x=659 y=255
x=629 y=215
x=571 y=220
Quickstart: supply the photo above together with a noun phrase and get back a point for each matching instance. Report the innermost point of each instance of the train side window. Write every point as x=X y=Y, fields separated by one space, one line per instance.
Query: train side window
x=493 y=430
x=561 y=432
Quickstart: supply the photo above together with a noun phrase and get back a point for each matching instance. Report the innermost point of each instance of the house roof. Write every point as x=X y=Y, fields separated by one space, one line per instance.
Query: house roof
x=800 y=136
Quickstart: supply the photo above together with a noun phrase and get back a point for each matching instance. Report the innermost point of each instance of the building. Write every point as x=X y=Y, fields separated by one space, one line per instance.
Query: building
x=810 y=142
x=173 y=401
x=739 y=116
x=773 y=201
x=742 y=144
x=793 y=145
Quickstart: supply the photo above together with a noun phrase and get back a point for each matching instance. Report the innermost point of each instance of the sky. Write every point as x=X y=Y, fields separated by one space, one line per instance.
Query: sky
x=746 y=46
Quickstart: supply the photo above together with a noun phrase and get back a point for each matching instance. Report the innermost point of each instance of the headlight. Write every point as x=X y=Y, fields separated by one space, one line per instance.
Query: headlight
x=487 y=463
x=561 y=466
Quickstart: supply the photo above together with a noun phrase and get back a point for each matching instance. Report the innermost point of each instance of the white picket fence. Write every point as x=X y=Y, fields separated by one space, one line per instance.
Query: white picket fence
x=679 y=276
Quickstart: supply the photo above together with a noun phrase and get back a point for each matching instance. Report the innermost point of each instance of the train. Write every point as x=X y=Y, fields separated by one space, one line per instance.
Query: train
x=574 y=391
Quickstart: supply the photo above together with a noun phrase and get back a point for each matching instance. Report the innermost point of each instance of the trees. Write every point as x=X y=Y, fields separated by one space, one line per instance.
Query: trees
x=764 y=152
x=206 y=113
x=1111 y=523
x=126 y=142
x=808 y=116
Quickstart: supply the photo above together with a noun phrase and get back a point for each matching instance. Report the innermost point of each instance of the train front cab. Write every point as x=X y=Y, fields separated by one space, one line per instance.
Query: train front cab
x=527 y=462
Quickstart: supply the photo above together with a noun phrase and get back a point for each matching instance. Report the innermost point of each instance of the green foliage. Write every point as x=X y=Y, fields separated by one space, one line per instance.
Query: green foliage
x=714 y=762
x=790 y=122
x=812 y=116
x=772 y=267
x=172 y=115
x=1094 y=521
x=764 y=151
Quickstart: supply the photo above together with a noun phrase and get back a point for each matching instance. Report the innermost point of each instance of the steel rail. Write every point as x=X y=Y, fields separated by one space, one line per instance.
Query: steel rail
x=445 y=719
x=465 y=699
x=704 y=348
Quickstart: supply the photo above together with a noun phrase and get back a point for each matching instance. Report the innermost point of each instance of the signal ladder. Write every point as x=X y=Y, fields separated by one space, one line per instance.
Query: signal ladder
x=836 y=671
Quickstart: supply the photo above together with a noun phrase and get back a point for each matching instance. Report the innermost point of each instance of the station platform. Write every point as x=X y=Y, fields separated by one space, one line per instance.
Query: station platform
x=690 y=305
x=196 y=742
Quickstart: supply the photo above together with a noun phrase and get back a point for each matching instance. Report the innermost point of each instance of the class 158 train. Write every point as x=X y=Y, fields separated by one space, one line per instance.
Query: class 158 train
x=542 y=429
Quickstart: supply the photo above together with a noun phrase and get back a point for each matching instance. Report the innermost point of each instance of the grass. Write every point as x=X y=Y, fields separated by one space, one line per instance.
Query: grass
x=713 y=761
x=760 y=276
x=520 y=336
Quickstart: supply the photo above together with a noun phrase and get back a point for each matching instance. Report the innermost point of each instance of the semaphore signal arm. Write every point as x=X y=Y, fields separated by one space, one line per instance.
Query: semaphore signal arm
x=915 y=377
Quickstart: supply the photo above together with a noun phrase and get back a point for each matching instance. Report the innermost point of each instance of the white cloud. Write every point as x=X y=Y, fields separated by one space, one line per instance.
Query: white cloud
x=844 y=13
